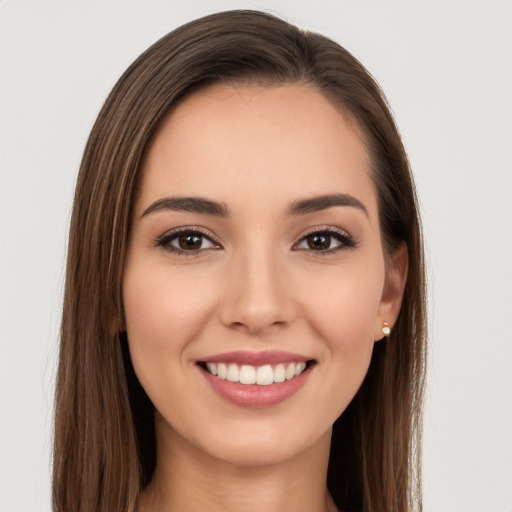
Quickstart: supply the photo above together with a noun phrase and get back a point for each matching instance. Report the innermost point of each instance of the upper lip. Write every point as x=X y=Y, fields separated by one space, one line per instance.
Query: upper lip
x=256 y=358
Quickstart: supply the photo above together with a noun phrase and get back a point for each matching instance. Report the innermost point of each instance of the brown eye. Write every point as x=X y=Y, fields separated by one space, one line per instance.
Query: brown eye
x=190 y=242
x=326 y=241
x=319 y=242
x=186 y=242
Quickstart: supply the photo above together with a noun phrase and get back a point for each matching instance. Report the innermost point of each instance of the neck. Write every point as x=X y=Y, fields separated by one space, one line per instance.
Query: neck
x=187 y=479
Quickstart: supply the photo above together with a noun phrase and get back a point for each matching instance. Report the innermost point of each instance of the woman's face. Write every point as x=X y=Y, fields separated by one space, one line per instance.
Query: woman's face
x=255 y=254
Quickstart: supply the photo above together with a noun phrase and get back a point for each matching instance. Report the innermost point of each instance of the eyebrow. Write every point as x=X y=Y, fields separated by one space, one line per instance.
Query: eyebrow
x=209 y=207
x=319 y=203
x=188 y=204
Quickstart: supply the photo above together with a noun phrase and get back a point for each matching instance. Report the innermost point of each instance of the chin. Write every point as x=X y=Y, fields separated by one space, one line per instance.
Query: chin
x=261 y=444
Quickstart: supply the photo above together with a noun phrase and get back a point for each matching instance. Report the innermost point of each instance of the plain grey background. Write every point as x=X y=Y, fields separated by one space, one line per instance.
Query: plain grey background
x=446 y=68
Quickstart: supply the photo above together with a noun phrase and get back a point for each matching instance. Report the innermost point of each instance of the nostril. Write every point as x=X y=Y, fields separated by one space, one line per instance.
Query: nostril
x=255 y=326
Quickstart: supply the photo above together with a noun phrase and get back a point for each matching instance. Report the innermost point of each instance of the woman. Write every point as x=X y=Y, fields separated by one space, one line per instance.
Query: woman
x=244 y=315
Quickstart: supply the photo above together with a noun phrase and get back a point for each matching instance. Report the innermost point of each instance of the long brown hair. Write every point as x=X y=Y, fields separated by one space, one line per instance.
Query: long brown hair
x=104 y=451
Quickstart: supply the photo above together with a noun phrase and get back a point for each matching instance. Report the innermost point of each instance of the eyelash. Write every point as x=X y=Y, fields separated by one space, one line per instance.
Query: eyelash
x=345 y=240
x=165 y=240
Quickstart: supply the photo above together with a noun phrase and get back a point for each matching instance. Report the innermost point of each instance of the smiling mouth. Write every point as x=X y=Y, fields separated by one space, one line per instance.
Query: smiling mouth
x=264 y=375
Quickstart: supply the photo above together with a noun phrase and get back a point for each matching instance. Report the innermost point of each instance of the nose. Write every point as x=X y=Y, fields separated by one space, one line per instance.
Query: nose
x=257 y=297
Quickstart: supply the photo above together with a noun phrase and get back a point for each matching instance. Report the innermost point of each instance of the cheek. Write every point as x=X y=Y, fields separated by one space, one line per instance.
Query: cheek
x=160 y=304
x=163 y=313
x=344 y=306
x=342 y=313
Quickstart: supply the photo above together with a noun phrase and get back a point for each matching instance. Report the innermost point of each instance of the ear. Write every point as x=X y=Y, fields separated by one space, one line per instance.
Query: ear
x=393 y=291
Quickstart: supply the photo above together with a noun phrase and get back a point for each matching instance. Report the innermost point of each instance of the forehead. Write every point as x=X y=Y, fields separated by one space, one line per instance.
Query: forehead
x=230 y=142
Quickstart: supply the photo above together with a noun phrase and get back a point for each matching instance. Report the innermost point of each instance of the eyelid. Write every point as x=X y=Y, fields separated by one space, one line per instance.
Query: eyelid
x=346 y=240
x=325 y=228
x=163 y=241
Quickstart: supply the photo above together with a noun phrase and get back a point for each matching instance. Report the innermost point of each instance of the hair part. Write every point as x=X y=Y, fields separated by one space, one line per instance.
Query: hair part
x=104 y=450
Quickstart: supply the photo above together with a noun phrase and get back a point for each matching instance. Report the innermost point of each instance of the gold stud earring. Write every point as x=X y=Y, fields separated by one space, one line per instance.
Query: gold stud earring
x=386 y=330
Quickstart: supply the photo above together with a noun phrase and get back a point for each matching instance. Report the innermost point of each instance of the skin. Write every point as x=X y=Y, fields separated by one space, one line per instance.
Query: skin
x=255 y=284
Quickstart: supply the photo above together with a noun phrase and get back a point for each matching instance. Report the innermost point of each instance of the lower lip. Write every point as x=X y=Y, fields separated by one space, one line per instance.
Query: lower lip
x=254 y=395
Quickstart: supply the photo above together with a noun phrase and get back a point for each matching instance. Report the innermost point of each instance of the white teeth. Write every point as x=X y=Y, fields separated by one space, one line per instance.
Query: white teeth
x=279 y=373
x=265 y=375
x=261 y=375
x=299 y=368
x=247 y=374
x=232 y=373
x=212 y=368
x=221 y=370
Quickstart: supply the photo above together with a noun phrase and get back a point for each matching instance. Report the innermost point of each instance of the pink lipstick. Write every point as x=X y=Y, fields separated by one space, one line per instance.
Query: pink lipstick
x=256 y=379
